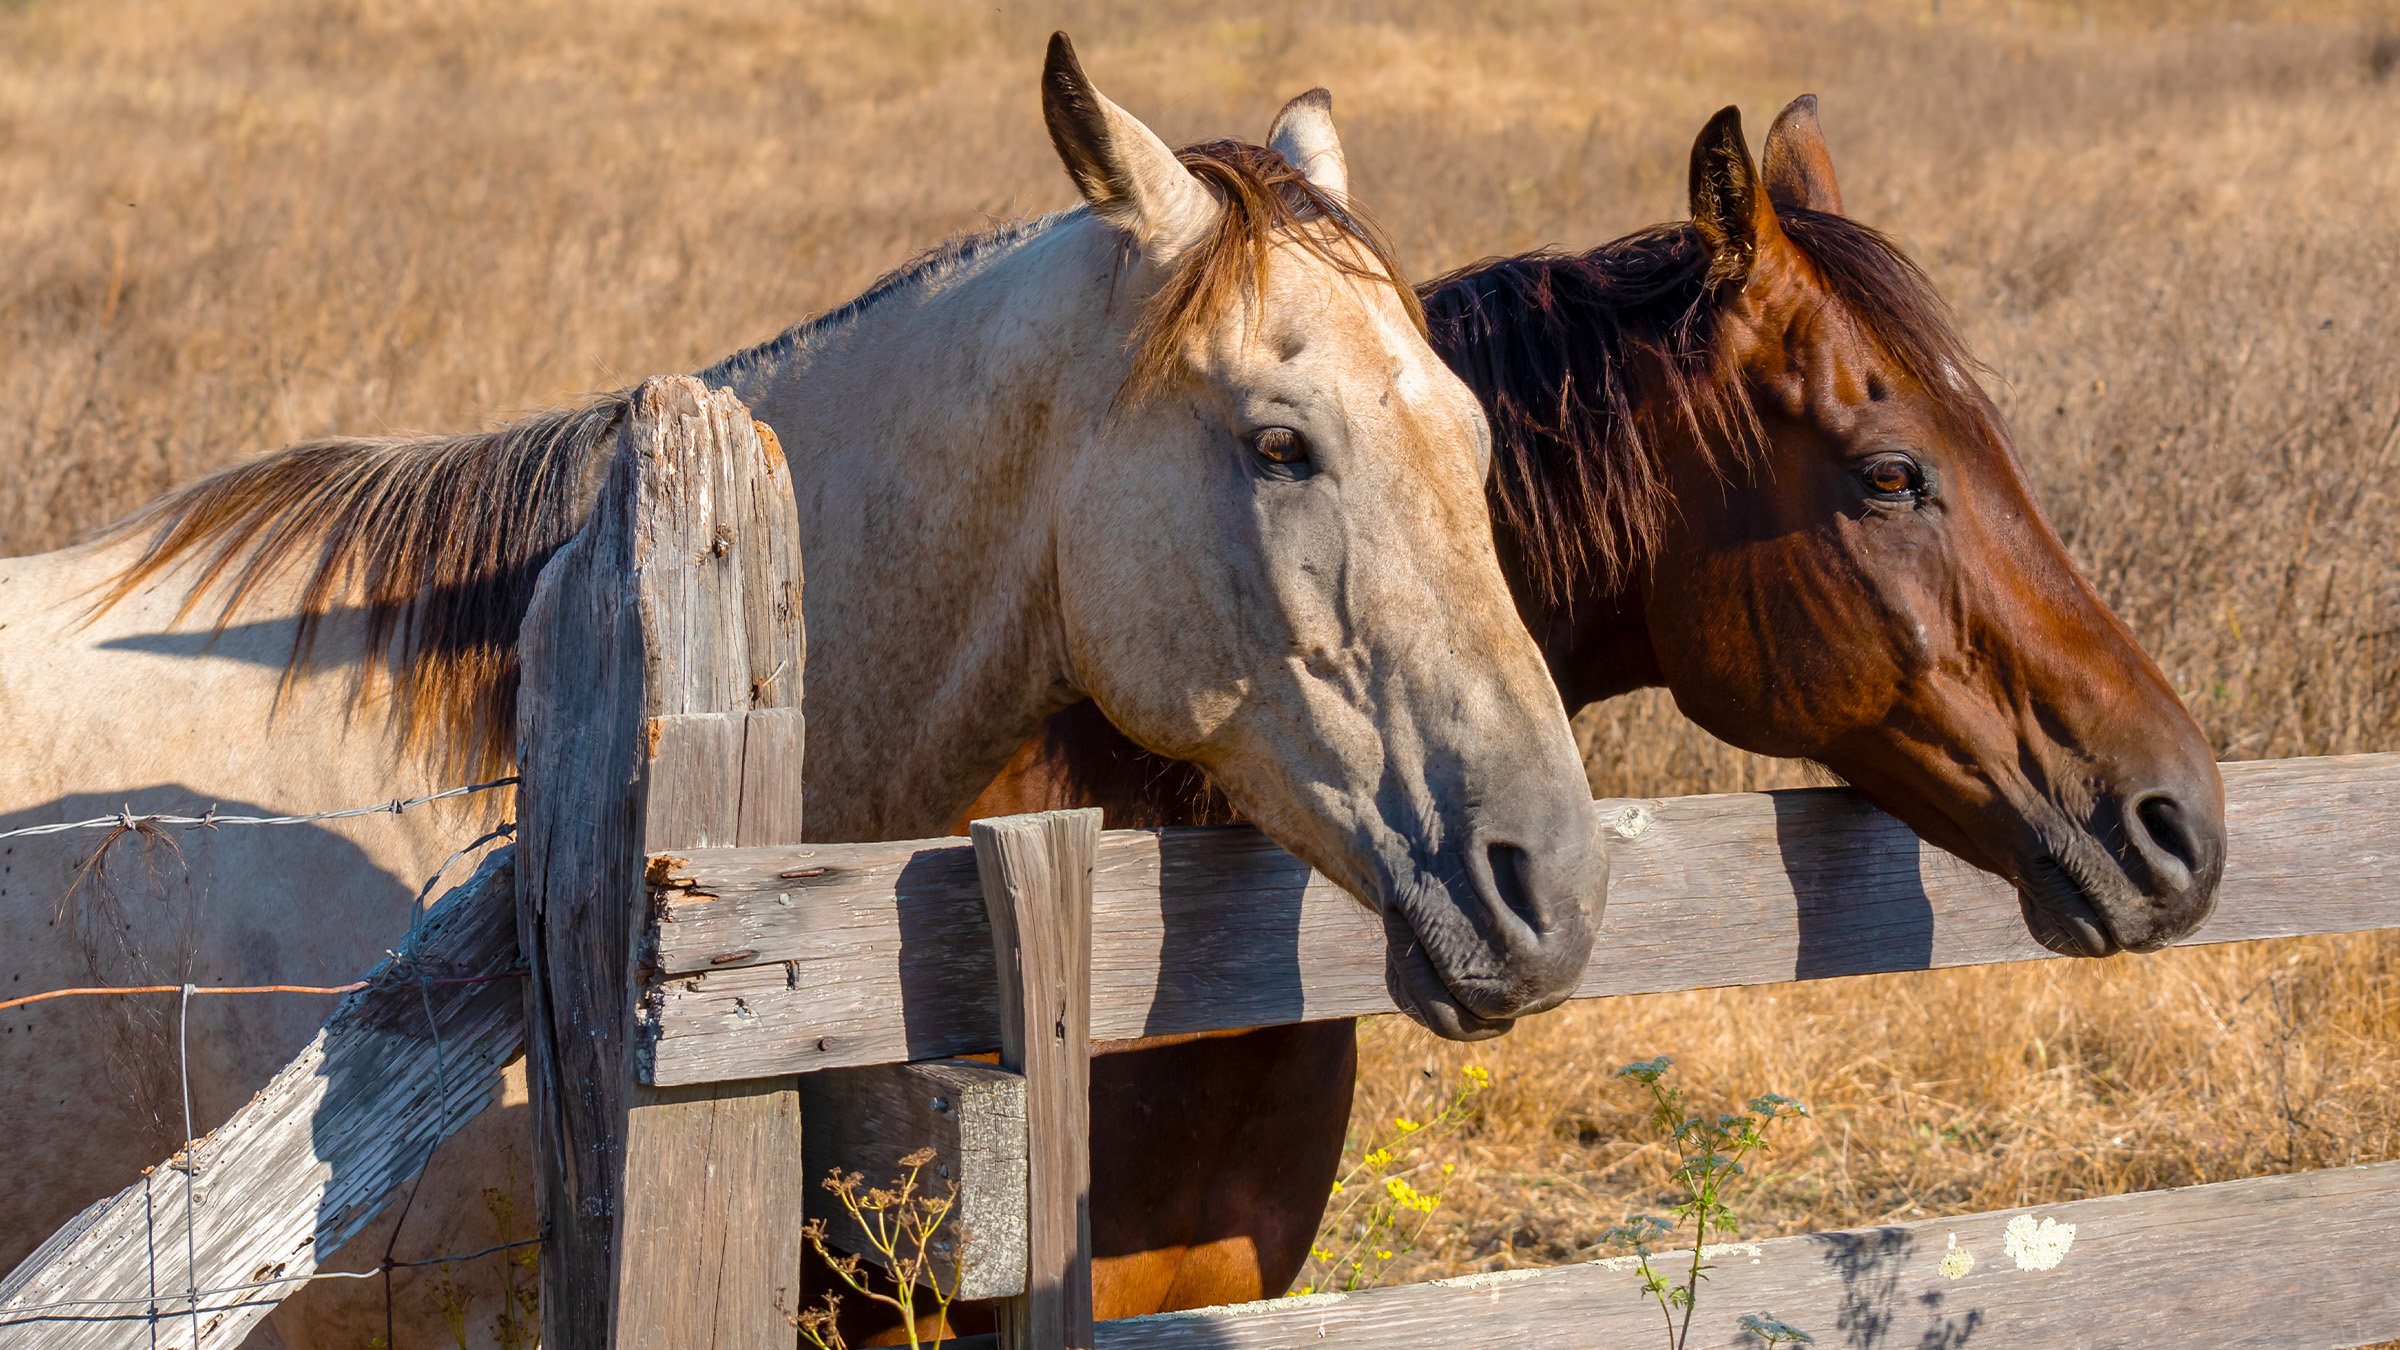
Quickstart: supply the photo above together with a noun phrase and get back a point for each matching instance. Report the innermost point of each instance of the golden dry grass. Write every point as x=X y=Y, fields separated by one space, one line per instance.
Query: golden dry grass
x=2169 y=225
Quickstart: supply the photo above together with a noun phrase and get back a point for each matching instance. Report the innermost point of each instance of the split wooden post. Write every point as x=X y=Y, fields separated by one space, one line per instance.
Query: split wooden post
x=659 y=710
x=1037 y=884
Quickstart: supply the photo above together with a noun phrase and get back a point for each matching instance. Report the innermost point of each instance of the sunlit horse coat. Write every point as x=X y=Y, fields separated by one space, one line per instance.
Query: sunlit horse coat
x=1184 y=452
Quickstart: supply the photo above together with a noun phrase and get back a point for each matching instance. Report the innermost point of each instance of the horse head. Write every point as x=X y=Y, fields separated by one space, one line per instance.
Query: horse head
x=1274 y=560
x=1858 y=575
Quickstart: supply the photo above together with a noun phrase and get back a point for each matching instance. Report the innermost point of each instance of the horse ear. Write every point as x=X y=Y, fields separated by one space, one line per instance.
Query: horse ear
x=1796 y=165
x=1121 y=167
x=1729 y=203
x=1304 y=135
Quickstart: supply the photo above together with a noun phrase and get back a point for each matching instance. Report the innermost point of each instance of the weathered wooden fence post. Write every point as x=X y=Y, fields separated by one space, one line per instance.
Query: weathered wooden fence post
x=1037 y=884
x=660 y=710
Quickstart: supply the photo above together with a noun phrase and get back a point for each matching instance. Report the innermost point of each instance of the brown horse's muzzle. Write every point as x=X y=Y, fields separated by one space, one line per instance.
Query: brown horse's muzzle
x=2141 y=874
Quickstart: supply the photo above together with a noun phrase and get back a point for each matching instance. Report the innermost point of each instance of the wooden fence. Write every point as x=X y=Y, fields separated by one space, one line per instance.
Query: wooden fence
x=719 y=1014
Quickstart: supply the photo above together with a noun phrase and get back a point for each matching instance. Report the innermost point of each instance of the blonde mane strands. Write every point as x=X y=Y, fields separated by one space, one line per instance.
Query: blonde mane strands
x=1265 y=199
x=434 y=542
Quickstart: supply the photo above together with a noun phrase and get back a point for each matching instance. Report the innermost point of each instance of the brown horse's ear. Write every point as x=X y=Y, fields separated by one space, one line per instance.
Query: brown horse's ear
x=1796 y=165
x=1304 y=135
x=1729 y=203
x=1127 y=174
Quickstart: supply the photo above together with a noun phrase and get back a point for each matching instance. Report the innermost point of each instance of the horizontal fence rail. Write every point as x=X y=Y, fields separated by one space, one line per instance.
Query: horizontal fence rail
x=875 y=954
x=794 y=959
x=2292 y=1261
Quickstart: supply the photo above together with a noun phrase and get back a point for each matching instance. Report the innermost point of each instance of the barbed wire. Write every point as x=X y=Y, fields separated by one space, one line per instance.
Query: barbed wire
x=125 y=819
x=405 y=968
x=43 y=1312
x=351 y=988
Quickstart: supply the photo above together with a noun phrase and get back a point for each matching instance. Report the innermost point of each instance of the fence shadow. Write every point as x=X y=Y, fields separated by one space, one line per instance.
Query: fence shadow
x=1855 y=875
x=949 y=977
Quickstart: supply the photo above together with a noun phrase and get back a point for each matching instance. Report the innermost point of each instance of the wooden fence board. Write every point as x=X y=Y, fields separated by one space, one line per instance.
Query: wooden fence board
x=1037 y=889
x=1210 y=929
x=649 y=704
x=972 y=1115
x=2302 y=1262
x=306 y=1164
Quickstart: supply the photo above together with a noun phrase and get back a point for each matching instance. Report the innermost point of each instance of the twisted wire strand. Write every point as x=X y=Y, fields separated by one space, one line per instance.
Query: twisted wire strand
x=350 y=988
x=44 y=1312
x=125 y=819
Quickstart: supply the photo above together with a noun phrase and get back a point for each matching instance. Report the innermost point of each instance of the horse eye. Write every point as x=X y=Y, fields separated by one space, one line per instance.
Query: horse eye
x=1279 y=445
x=1893 y=476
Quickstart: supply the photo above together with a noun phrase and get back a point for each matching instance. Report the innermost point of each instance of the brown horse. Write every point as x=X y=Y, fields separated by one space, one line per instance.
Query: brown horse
x=1744 y=458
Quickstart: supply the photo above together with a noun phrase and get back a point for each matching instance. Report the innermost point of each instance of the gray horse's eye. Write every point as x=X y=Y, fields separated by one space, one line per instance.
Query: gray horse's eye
x=1281 y=452
x=1279 y=445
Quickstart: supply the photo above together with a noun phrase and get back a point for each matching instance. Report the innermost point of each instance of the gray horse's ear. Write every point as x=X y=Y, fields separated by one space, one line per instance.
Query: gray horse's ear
x=1304 y=135
x=1729 y=204
x=1121 y=167
x=1797 y=167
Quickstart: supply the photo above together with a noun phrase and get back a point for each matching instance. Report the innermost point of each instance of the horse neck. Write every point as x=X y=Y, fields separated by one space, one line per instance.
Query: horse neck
x=924 y=433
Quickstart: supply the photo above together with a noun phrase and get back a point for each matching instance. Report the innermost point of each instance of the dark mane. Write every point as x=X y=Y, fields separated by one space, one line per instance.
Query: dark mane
x=1586 y=362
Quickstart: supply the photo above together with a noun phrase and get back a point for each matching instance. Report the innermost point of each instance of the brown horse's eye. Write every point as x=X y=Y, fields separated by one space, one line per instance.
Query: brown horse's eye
x=1892 y=476
x=1279 y=445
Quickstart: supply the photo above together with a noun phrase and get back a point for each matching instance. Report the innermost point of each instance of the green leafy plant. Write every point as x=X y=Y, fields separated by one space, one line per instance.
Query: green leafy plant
x=1773 y=1332
x=900 y=1223
x=1382 y=1205
x=1711 y=1151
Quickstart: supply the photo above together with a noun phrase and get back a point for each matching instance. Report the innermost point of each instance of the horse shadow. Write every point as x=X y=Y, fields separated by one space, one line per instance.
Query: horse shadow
x=1215 y=948
x=143 y=903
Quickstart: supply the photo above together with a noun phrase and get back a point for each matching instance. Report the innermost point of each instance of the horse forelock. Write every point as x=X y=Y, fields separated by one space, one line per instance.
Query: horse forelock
x=434 y=543
x=1266 y=201
x=1896 y=303
x=1589 y=364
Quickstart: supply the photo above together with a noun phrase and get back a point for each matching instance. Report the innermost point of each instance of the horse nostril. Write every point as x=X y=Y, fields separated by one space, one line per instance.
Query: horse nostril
x=1509 y=865
x=2160 y=818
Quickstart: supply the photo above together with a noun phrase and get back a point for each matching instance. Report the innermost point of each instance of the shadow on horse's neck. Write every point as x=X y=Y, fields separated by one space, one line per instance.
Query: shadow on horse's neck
x=1597 y=645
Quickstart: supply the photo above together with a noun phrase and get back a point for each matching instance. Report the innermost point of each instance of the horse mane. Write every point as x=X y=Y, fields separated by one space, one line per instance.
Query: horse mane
x=1266 y=200
x=942 y=261
x=1586 y=362
x=437 y=541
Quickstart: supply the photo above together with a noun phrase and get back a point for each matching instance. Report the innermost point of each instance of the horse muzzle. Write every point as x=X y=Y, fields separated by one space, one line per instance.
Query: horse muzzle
x=2144 y=876
x=1495 y=931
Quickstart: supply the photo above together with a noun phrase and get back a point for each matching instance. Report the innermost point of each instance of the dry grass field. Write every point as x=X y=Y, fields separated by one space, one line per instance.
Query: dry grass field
x=2172 y=228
